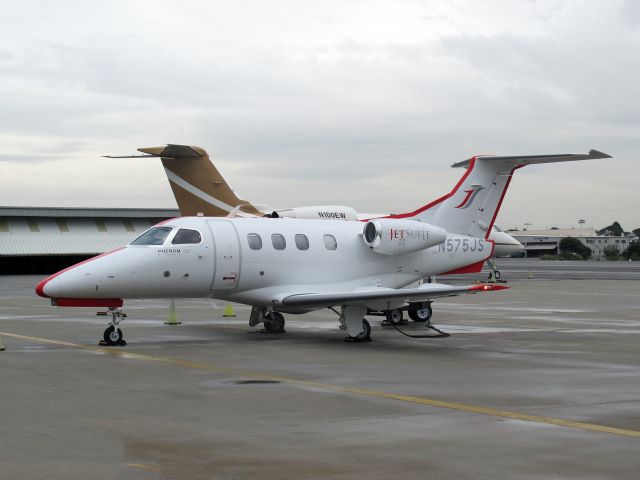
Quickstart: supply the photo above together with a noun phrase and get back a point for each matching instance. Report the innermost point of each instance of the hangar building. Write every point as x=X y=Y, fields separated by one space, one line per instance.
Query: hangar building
x=36 y=240
x=540 y=242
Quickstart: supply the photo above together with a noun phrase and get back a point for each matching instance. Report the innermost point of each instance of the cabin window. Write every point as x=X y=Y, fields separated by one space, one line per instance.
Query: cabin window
x=153 y=236
x=302 y=242
x=330 y=242
x=186 y=235
x=278 y=241
x=255 y=241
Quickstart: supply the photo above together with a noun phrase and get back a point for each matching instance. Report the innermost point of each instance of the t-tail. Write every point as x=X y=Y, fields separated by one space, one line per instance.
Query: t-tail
x=197 y=185
x=472 y=206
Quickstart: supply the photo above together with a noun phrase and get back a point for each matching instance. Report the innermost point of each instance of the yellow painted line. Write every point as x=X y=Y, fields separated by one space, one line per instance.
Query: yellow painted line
x=339 y=388
x=142 y=466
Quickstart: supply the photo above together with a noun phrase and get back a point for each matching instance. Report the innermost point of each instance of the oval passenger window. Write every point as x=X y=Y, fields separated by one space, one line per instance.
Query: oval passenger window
x=278 y=241
x=330 y=242
x=302 y=242
x=255 y=241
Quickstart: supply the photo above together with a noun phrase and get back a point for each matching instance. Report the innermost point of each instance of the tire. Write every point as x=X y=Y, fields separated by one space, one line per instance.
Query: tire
x=364 y=336
x=394 y=316
x=497 y=275
x=420 y=312
x=274 y=323
x=112 y=336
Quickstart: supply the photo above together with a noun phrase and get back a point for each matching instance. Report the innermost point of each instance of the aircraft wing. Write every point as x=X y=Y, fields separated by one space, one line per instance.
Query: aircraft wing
x=425 y=292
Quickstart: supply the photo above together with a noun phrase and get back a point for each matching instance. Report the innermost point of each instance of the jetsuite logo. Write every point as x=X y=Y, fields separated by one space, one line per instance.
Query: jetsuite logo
x=409 y=234
x=469 y=197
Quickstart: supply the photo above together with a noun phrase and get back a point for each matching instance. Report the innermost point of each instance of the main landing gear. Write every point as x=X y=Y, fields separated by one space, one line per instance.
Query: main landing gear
x=273 y=321
x=113 y=335
x=352 y=320
x=420 y=312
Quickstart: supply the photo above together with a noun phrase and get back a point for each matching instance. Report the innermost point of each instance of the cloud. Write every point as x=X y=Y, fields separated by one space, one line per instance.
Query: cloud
x=362 y=103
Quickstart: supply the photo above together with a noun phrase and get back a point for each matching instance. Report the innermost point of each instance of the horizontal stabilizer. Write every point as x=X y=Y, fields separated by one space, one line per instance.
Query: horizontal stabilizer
x=535 y=159
x=425 y=292
x=175 y=151
x=168 y=151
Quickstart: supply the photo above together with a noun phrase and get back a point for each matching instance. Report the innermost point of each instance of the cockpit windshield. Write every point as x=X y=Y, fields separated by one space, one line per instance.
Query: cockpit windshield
x=153 y=236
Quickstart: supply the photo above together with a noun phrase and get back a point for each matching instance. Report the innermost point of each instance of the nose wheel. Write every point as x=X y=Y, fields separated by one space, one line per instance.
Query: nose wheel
x=113 y=336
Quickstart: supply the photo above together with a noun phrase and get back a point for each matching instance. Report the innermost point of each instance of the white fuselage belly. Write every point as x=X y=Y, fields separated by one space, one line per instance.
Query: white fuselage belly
x=223 y=266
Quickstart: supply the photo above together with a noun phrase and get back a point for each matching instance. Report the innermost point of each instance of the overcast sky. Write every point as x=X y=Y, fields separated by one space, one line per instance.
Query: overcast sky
x=360 y=103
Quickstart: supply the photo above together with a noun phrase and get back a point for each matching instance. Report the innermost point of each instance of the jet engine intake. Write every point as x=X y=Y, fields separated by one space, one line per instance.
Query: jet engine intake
x=392 y=237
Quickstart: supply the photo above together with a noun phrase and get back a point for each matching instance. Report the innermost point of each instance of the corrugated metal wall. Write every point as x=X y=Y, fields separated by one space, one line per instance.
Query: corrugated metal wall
x=67 y=236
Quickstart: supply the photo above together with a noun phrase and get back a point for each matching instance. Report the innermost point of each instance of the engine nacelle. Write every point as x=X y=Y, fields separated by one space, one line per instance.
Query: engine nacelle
x=326 y=212
x=391 y=237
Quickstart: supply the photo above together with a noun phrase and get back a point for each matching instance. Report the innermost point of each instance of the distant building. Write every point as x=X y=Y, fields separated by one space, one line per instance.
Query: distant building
x=540 y=242
x=44 y=240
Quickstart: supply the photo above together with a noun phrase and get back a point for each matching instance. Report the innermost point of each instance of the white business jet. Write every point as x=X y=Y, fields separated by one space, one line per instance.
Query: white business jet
x=200 y=189
x=280 y=265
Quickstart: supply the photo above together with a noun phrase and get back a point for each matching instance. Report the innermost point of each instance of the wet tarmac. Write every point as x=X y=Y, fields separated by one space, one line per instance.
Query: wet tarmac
x=538 y=381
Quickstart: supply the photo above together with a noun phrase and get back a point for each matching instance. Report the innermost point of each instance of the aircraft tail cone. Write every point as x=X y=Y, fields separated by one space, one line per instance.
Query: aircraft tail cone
x=172 y=319
x=228 y=311
x=530 y=276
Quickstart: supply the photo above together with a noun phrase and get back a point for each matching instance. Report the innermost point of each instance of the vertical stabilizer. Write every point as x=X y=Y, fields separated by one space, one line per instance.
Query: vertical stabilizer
x=472 y=206
x=197 y=185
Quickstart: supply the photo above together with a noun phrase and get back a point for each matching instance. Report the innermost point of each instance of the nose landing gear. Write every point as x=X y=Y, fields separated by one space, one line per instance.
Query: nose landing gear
x=113 y=335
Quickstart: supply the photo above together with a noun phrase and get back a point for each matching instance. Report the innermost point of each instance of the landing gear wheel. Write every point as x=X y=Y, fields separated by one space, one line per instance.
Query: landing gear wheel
x=364 y=336
x=394 y=317
x=274 y=323
x=113 y=336
x=496 y=274
x=421 y=312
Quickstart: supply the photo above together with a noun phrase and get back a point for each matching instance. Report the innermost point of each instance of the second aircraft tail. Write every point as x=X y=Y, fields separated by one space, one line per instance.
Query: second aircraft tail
x=197 y=184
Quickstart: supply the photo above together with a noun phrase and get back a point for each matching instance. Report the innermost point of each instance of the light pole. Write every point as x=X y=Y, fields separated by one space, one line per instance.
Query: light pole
x=581 y=222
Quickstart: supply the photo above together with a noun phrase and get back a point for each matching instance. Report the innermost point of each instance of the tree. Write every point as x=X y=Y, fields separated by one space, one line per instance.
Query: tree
x=632 y=252
x=615 y=228
x=571 y=247
x=611 y=252
x=636 y=232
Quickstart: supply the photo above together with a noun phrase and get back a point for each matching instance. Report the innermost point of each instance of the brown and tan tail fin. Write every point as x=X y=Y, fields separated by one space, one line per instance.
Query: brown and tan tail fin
x=197 y=184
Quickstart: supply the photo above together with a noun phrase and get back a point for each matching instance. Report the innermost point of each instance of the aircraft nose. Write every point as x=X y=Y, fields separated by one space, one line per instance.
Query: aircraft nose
x=83 y=280
x=519 y=246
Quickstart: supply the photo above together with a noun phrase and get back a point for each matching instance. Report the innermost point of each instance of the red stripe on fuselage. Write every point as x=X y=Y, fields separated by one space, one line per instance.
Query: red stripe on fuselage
x=437 y=201
x=473 y=268
x=87 y=302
